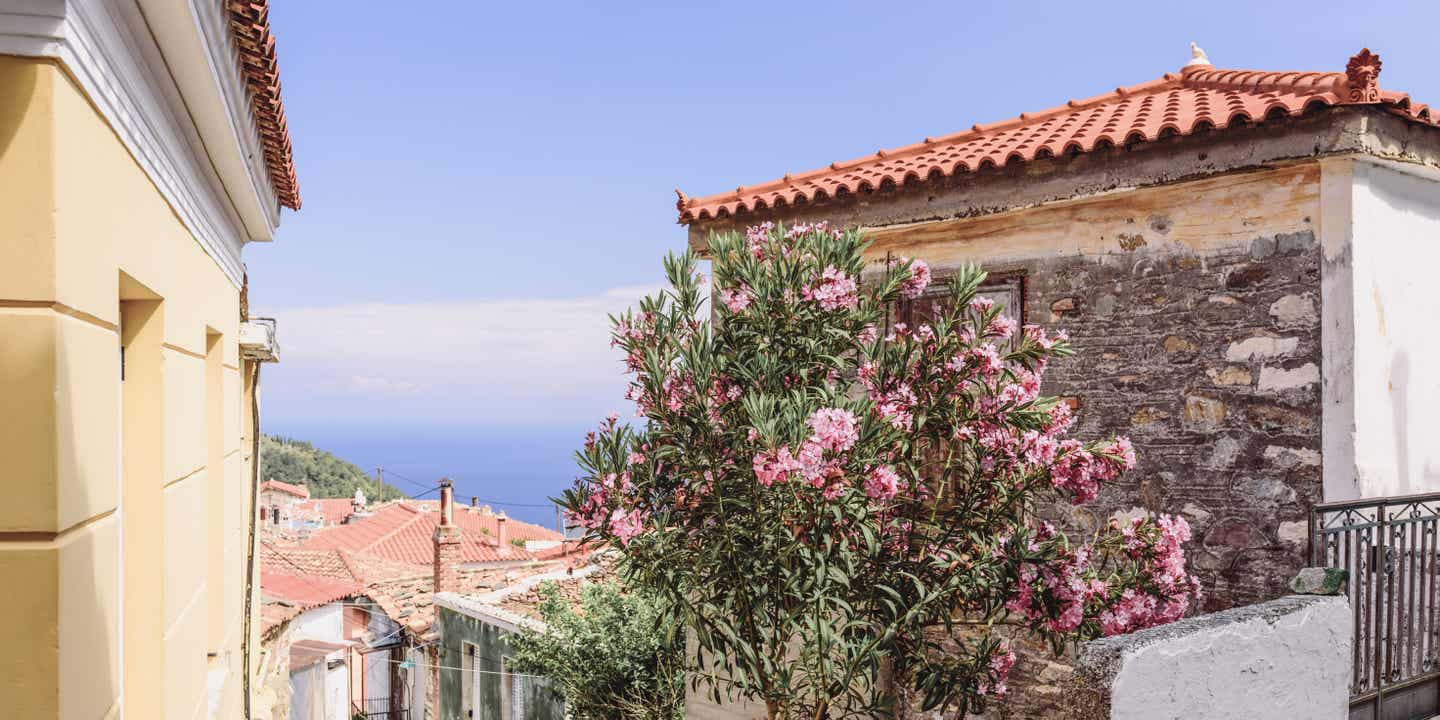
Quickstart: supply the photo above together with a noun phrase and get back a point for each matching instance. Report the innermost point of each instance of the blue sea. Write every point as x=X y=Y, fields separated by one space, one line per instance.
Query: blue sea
x=512 y=469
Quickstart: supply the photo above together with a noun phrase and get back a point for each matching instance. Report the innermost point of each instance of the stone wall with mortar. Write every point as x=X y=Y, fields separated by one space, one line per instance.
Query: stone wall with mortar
x=1210 y=363
x=1194 y=313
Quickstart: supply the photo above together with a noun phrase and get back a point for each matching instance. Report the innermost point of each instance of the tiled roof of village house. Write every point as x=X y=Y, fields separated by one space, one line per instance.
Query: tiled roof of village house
x=410 y=601
x=334 y=564
x=1196 y=99
x=250 y=26
x=285 y=594
x=403 y=532
x=299 y=491
x=330 y=511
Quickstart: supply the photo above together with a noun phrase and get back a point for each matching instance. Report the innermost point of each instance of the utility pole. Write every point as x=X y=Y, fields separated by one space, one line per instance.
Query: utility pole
x=379 y=484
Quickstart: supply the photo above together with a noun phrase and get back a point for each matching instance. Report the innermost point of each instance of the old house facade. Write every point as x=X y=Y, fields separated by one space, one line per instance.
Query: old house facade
x=143 y=144
x=1239 y=258
x=279 y=501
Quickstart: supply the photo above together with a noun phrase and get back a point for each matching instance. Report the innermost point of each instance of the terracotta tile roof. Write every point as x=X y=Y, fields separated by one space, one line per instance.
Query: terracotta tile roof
x=250 y=26
x=403 y=532
x=329 y=511
x=1196 y=99
x=299 y=491
x=566 y=549
x=410 y=601
x=287 y=594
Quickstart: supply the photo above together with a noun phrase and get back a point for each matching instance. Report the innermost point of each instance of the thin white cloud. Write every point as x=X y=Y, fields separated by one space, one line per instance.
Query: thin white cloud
x=488 y=361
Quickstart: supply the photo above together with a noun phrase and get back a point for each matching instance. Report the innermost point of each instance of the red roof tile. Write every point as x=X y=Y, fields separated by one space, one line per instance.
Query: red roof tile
x=403 y=532
x=250 y=26
x=410 y=601
x=304 y=591
x=329 y=511
x=1197 y=98
x=299 y=491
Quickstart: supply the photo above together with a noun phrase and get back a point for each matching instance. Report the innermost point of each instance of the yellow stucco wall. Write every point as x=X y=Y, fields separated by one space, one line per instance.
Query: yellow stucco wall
x=77 y=214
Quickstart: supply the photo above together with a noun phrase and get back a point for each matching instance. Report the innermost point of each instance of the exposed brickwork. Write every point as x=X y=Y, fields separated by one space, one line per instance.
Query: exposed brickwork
x=447 y=558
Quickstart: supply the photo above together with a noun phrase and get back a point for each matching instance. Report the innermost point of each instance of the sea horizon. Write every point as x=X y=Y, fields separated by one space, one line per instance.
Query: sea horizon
x=515 y=469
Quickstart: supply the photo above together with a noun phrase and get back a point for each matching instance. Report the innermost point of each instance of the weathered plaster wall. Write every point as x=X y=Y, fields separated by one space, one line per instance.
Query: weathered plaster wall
x=456 y=629
x=1283 y=659
x=271 y=697
x=1395 y=253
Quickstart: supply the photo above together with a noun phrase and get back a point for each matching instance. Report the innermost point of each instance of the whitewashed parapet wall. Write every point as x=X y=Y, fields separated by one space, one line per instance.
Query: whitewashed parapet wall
x=1278 y=660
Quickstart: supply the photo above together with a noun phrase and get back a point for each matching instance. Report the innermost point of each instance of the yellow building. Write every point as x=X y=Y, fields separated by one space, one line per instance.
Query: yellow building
x=142 y=145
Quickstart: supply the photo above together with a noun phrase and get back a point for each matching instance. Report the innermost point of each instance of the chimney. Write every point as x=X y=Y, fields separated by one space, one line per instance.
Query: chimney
x=447 y=541
x=502 y=533
x=474 y=501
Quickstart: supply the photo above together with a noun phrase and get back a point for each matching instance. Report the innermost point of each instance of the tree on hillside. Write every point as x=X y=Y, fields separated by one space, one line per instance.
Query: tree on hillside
x=838 y=509
x=300 y=463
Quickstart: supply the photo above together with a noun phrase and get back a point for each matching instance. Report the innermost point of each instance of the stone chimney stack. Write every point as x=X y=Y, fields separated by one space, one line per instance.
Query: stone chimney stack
x=447 y=541
x=502 y=533
x=474 y=501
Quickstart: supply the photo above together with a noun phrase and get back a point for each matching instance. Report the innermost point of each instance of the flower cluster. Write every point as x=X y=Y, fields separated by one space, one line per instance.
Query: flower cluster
x=1142 y=583
x=876 y=449
x=997 y=672
x=820 y=461
x=833 y=290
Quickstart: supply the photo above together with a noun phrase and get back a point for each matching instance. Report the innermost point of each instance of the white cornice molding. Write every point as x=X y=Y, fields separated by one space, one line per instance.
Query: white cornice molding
x=204 y=61
x=106 y=46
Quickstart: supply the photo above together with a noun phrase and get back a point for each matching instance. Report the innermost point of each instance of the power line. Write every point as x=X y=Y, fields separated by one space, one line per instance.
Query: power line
x=392 y=473
x=463 y=670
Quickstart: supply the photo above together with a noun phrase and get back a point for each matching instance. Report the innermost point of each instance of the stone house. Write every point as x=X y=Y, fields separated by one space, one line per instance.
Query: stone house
x=1240 y=258
x=278 y=500
x=143 y=146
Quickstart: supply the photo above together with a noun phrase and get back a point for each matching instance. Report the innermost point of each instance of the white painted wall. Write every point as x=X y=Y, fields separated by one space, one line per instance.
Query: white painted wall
x=1396 y=259
x=322 y=623
x=1285 y=659
x=1380 y=233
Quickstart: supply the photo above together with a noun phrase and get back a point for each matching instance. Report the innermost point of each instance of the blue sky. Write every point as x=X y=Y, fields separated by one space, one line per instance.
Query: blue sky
x=483 y=181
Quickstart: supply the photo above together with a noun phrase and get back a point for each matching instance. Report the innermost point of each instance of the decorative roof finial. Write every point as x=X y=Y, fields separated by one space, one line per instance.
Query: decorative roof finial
x=681 y=202
x=1197 y=57
x=1362 y=77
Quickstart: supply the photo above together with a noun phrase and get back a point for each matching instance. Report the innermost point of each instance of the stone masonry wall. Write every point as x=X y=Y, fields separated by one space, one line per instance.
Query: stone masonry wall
x=1210 y=363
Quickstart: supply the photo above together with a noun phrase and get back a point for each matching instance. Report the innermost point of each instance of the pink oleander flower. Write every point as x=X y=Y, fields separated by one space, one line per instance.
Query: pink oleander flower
x=882 y=483
x=1000 y=666
x=1003 y=326
x=773 y=467
x=755 y=238
x=736 y=299
x=867 y=335
x=834 y=428
x=981 y=305
x=834 y=290
x=896 y=405
x=625 y=526
x=917 y=282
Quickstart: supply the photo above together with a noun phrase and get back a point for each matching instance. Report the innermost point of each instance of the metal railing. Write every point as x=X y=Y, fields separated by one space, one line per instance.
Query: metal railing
x=1389 y=547
x=381 y=708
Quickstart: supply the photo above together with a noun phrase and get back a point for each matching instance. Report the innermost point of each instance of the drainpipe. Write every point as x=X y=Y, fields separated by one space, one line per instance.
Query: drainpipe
x=245 y=648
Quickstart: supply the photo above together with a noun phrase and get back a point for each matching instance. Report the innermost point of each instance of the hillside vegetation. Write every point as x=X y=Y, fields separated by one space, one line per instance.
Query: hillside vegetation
x=298 y=462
